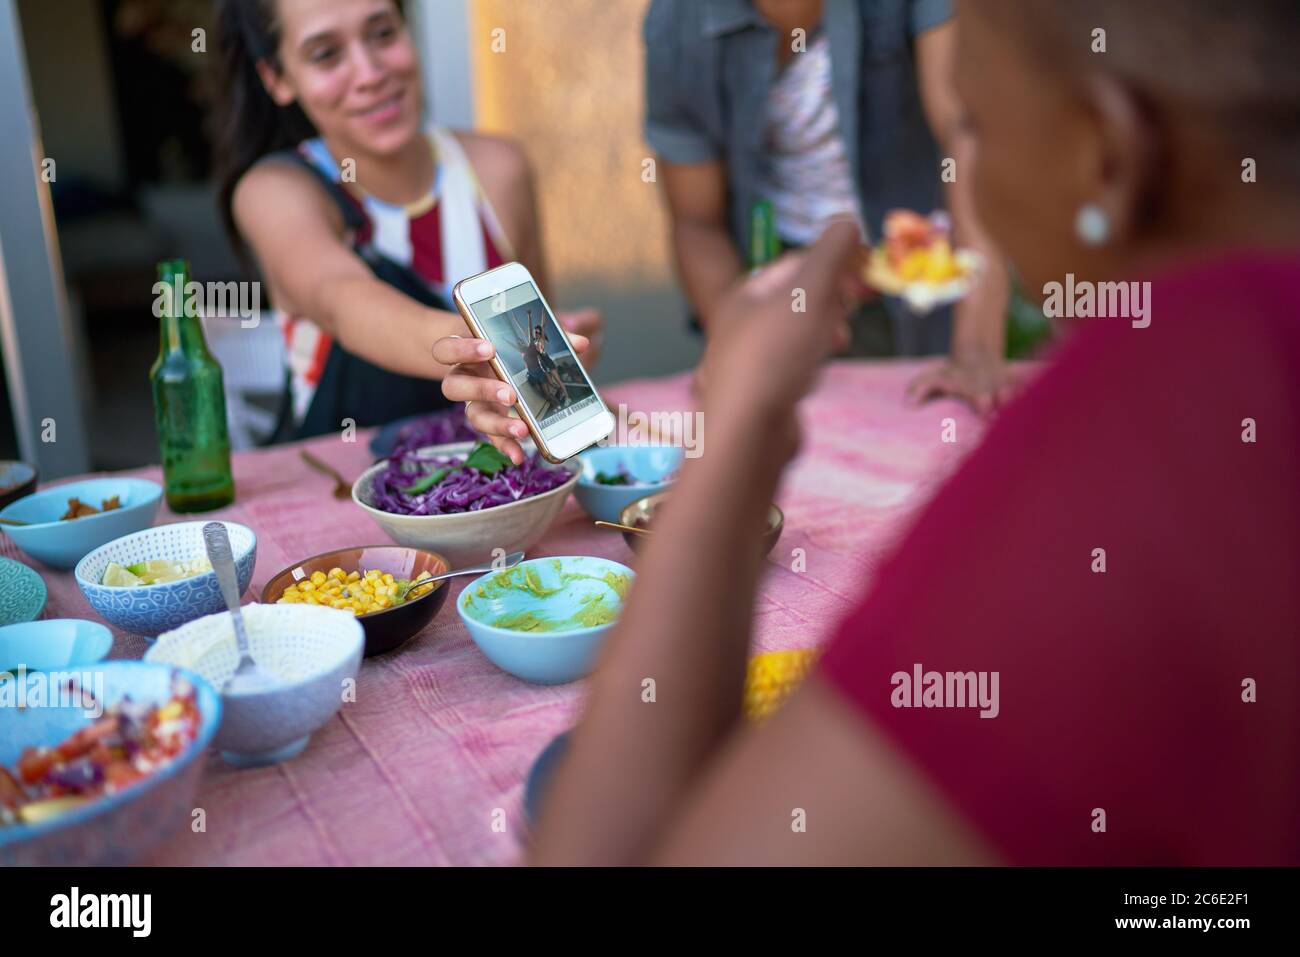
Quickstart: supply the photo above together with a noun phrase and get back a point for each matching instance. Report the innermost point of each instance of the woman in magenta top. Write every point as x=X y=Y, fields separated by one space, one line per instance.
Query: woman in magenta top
x=1103 y=598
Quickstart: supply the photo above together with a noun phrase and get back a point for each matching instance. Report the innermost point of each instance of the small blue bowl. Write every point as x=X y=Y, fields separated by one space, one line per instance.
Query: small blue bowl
x=22 y=592
x=652 y=466
x=119 y=828
x=547 y=657
x=62 y=544
x=53 y=644
x=149 y=610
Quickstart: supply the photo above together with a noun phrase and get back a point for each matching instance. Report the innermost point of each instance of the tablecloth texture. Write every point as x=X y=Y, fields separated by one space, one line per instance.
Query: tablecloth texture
x=427 y=766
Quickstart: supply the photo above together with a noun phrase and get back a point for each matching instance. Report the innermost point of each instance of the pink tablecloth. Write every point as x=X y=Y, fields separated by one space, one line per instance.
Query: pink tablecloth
x=432 y=756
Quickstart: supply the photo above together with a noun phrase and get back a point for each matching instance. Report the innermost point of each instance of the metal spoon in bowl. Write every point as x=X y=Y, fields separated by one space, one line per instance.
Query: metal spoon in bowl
x=248 y=677
x=514 y=558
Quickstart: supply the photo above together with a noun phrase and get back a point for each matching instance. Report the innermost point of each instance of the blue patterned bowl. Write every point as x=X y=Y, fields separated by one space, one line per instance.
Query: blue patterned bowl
x=119 y=828
x=22 y=592
x=61 y=544
x=150 y=610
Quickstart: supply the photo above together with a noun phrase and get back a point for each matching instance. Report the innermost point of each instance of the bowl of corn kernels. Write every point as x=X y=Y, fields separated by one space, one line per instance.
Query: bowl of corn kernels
x=380 y=584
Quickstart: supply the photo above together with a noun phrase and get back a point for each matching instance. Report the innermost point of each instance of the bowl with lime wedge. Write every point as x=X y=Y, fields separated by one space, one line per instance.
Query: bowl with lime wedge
x=158 y=579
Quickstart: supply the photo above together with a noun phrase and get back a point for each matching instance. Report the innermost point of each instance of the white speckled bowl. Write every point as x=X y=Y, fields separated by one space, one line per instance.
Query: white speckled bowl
x=315 y=649
x=466 y=538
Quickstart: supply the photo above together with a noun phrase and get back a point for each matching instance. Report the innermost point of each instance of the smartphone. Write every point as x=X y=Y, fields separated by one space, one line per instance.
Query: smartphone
x=557 y=399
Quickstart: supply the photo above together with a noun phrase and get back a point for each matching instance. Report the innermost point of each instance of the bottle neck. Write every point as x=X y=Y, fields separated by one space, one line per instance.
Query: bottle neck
x=180 y=329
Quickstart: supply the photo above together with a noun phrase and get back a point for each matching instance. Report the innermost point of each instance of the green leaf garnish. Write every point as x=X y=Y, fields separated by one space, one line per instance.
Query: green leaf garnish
x=429 y=481
x=486 y=459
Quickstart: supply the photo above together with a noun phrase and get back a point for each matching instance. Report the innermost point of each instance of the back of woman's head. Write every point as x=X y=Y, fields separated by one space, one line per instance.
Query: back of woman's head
x=250 y=124
x=1177 y=122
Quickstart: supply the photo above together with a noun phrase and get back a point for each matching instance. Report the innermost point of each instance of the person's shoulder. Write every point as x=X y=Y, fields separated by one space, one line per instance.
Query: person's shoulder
x=499 y=159
x=274 y=183
x=669 y=22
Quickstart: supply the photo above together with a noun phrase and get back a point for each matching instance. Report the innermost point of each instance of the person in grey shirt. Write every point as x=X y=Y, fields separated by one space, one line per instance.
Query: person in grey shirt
x=820 y=108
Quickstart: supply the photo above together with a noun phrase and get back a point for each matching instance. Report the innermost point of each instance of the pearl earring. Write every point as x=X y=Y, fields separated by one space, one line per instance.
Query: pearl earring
x=1092 y=225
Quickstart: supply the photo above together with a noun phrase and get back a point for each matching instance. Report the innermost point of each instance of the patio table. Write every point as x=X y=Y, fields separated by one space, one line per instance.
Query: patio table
x=432 y=756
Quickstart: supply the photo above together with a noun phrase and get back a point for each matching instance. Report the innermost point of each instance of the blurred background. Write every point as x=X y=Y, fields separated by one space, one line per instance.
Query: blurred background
x=113 y=93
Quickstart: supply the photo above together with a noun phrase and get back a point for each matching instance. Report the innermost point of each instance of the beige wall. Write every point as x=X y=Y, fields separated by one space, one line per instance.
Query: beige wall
x=67 y=60
x=569 y=86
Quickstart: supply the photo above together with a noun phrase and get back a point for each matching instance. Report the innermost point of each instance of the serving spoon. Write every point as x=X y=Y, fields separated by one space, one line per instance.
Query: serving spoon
x=514 y=558
x=624 y=528
x=248 y=678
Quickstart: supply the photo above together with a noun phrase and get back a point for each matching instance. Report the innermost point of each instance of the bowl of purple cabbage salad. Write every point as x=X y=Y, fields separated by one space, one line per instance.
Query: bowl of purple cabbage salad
x=464 y=499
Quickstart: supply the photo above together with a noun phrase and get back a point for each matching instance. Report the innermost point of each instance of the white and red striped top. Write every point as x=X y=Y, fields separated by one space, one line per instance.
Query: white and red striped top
x=448 y=235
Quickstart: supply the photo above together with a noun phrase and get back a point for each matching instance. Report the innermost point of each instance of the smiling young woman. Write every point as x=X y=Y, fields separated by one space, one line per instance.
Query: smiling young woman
x=359 y=217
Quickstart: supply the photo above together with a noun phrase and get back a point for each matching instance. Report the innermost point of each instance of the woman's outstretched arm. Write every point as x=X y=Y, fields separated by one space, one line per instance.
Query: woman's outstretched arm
x=297 y=237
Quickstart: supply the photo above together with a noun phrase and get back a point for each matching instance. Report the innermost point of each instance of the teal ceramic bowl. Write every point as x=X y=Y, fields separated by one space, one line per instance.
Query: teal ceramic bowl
x=22 y=592
x=532 y=620
x=650 y=469
x=53 y=644
x=118 y=828
x=62 y=544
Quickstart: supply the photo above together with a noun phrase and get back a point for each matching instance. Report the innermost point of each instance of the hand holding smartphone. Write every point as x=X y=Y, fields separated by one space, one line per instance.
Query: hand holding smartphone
x=556 y=398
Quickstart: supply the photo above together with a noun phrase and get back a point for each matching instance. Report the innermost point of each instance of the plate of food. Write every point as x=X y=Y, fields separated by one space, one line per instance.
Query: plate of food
x=918 y=263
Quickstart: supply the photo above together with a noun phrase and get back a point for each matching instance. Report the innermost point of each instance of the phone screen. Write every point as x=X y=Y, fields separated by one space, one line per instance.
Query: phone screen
x=537 y=357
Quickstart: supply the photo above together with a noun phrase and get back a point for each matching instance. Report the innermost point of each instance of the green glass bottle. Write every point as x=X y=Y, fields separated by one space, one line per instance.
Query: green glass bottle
x=764 y=244
x=1027 y=328
x=189 y=404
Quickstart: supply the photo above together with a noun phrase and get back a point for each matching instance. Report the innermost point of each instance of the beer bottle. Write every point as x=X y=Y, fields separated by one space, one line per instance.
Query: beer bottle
x=189 y=403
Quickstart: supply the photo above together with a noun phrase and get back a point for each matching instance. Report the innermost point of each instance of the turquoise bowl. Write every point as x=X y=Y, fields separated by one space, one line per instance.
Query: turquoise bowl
x=120 y=828
x=653 y=467
x=22 y=592
x=53 y=644
x=62 y=544
x=149 y=610
x=543 y=657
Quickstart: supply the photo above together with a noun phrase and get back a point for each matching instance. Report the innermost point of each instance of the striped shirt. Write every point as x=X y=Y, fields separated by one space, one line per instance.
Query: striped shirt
x=449 y=234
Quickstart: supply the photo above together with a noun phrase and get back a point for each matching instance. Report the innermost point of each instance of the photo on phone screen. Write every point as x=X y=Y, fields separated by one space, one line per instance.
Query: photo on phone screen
x=537 y=357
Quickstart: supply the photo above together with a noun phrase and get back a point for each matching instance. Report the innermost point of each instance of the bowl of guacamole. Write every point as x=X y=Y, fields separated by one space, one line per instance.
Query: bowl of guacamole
x=543 y=620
